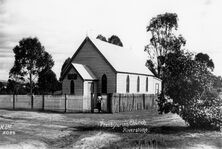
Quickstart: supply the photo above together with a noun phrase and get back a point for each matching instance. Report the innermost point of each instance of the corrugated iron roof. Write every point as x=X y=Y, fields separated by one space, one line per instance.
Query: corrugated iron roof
x=84 y=71
x=122 y=59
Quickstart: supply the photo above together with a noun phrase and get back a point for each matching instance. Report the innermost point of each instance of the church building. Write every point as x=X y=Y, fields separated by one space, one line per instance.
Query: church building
x=101 y=67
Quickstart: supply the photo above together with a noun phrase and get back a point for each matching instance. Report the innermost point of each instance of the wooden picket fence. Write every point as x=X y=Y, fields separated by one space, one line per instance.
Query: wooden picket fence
x=58 y=103
x=111 y=103
x=116 y=103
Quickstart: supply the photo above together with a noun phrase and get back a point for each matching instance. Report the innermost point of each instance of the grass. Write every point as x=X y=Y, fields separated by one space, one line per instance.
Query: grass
x=97 y=130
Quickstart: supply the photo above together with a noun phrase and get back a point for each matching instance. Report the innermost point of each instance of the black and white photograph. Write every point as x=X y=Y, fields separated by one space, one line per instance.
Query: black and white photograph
x=110 y=74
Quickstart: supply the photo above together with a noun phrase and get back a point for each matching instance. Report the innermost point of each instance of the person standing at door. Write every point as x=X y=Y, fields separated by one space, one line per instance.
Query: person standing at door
x=99 y=100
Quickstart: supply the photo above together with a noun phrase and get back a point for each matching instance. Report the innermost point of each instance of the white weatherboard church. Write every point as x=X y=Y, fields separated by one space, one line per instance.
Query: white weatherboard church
x=101 y=67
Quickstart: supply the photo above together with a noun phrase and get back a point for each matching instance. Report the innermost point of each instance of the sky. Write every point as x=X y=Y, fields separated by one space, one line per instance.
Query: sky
x=61 y=25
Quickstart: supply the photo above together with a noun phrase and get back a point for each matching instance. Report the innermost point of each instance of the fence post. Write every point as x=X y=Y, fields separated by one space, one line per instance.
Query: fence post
x=112 y=102
x=43 y=102
x=91 y=100
x=153 y=97
x=13 y=101
x=144 y=103
x=65 y=102
x=109 y=103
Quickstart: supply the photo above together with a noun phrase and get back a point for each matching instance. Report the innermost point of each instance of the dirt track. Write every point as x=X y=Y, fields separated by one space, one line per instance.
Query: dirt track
x=24 y=129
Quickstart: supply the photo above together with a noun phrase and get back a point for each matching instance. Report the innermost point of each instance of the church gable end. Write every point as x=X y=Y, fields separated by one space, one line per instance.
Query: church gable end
x=89 y=55
x=72 y=85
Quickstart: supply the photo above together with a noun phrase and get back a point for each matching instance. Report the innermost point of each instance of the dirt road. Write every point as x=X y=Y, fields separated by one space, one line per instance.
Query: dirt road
x=26 y=129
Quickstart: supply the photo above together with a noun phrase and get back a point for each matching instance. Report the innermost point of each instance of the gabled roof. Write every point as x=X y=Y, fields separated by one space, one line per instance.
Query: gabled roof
x=84 y=72
x=122 y=59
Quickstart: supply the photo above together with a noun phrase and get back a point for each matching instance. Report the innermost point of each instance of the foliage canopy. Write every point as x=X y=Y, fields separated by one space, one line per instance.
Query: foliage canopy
x=113 y=40
x=186 y=79
x=30 y=59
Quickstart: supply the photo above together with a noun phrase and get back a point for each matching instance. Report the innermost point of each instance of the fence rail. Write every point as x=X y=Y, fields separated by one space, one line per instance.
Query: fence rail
x=112 y=103
x=132 y=102
x=59 y=103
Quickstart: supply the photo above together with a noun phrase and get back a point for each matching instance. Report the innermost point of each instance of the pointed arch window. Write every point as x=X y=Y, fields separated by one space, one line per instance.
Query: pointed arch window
x=138 y=84
x=72 y=87
x=127 y=84
x=104 y=84
x=147 y=84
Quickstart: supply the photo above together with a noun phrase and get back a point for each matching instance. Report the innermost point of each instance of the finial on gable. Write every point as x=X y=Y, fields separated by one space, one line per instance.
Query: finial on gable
x=87 y=33
x=87 y=36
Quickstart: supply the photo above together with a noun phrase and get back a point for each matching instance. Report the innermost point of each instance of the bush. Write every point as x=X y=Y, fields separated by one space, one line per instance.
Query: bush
x=188 y=92
x=205 y=113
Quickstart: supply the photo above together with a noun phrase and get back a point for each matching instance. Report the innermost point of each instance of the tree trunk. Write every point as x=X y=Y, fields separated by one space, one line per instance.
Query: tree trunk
x=162 y=87
x=30 y=77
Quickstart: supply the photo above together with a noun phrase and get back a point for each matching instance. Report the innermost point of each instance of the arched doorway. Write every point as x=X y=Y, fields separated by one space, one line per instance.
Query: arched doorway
x=104 y=84
x=72 y=87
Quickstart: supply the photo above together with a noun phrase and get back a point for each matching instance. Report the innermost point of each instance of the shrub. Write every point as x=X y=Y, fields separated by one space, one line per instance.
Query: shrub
x=188 y=92
x=205 y=113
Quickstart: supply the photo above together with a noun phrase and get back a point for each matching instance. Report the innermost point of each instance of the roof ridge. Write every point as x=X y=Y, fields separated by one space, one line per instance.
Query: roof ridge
x=106 y=42
x=121 y=58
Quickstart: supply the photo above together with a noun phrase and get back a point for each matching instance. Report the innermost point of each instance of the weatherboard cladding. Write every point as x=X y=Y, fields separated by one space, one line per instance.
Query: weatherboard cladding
x=121 y=83
x=90 y=56
x=100 y=58
x=78 y=83
x=120 y=59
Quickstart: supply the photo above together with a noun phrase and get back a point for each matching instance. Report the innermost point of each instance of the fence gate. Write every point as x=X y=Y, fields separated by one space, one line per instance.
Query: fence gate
x=94 y=97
